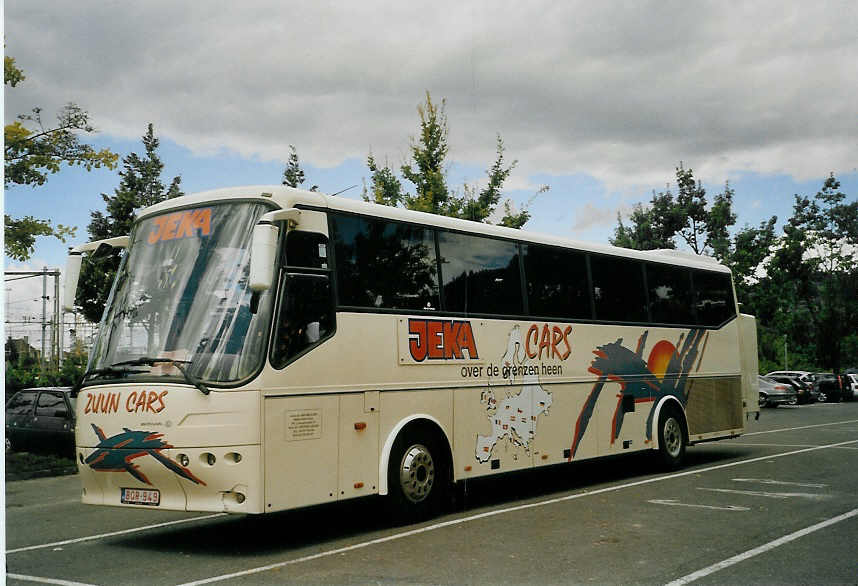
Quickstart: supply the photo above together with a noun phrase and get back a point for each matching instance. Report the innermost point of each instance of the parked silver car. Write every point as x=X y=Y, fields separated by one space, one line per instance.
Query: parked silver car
x=773 y=393
x=850 y=392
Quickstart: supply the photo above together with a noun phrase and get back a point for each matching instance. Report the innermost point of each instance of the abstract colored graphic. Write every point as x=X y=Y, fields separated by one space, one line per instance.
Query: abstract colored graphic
x=112 y=454
x=665 y=372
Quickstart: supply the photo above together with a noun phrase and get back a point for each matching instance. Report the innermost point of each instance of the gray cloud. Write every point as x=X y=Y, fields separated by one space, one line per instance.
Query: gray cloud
x=618 y=91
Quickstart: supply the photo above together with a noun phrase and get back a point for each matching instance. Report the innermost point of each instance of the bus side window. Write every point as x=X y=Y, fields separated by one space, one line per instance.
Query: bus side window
x=305 y=249
x=305 y=317
x=618 y=289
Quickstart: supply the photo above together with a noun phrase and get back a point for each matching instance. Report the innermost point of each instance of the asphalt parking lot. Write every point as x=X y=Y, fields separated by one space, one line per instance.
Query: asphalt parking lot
x=777 y=505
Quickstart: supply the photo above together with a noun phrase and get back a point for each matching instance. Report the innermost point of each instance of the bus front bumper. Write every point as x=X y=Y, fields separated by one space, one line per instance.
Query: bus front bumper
x=222 y=479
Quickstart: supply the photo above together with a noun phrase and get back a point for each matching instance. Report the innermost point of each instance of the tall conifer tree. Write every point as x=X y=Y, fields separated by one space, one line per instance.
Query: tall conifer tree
x=140 y=186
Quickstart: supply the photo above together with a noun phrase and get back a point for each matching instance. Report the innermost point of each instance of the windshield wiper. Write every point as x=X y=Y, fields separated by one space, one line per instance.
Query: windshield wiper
x=107 y=370
x=148 y=361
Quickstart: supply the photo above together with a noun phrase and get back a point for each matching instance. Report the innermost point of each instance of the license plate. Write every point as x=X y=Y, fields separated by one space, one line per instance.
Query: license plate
x=141 y=496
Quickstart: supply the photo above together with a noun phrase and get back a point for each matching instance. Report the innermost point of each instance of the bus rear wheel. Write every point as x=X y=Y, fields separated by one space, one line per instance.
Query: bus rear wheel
x=417 y=479
x=671 y=438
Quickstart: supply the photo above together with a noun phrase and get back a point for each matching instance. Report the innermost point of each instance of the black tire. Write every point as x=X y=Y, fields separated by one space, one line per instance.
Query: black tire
x=671 y=438
x=417 y=476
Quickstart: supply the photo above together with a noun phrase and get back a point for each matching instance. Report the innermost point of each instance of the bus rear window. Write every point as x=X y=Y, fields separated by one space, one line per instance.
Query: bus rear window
x=713 y=298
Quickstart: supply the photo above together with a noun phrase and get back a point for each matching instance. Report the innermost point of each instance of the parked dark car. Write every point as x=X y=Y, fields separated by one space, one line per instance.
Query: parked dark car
x=773 y=393
x=41 y=420
x=804 y=390
x=828 y=387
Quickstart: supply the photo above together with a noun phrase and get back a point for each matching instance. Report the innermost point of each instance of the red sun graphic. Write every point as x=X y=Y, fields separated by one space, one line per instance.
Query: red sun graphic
x=659 y=358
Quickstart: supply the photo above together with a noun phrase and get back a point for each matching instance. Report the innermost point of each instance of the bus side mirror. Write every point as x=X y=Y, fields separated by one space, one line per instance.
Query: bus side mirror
x=75 y=259
x=263 y=248
x=262 y=252
x=72 y=275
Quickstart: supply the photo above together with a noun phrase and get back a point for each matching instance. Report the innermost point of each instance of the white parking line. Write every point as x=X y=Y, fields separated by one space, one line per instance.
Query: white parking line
x=488 y=514
x=787 y=445
x=25 y=578
x=113 y=533
x=779 y=482
x=771 y=495
x=676 y=503
x=761 y=549
x=801 y=427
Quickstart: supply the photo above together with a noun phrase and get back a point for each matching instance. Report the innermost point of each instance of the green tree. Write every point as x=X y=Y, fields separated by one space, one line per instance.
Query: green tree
x=816 y=265
x=140 y=186
x=293 y=175
x=751 y=248
x=687 y=216
x=21 y=233
x=652 y=227
x=427 y=172
x=32 y=151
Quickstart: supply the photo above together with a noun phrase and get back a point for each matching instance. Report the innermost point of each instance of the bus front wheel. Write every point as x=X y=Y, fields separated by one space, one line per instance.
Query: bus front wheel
x=671 y=438
x=417 y=478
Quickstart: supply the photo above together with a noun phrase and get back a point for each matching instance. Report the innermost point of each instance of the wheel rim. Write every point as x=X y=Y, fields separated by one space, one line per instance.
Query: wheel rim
x=672 y=437
x=417 y=473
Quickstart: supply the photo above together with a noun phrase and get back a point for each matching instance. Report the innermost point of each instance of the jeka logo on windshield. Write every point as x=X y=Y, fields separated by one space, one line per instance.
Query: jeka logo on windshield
x=438 y=339
x=186 y=224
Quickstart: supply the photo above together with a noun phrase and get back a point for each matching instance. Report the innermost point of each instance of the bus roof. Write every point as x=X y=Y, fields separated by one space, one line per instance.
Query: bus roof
x=286 y=197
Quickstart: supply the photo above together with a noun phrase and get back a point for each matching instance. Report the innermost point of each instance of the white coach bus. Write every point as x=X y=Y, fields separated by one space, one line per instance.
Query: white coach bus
x=266 y=348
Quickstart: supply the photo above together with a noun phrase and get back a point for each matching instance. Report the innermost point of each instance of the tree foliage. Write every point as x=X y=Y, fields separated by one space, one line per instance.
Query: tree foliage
x=23 y=370
x=293 y=174
x=21 y=233
x=34 y=150
x=140 y=186
x=687 y=216
x=652 y=227
x=816 y=266
x=12 y=75
x=427 y=172
x=802 y=285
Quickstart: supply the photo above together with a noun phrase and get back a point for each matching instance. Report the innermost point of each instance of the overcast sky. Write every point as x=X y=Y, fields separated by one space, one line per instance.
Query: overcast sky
x=599 y=100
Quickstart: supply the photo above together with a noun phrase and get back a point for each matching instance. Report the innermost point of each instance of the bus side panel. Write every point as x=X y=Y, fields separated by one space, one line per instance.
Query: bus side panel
x=397 y=406
x=358 y=455
x=714 y=407
x=301 y=450
x=493 y=430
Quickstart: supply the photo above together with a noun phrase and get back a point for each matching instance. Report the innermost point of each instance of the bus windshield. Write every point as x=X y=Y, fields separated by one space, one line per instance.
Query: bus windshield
x=181 y=295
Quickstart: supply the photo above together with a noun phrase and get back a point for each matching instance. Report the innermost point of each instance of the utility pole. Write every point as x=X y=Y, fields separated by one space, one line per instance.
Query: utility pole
x=58 y=316
x=43 y=361
x=786 y=367
x=44 y=273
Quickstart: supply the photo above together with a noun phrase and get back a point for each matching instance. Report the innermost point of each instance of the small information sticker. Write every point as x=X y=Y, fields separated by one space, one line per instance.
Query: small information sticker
x=304 y=424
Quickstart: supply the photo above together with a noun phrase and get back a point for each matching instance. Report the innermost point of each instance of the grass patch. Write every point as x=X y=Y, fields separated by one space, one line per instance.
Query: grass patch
x=23 y=465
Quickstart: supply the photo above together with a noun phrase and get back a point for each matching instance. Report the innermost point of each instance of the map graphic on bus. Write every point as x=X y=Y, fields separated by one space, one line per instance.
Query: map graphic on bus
x=112 y=454
x=664 y=373
x=515 y=417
